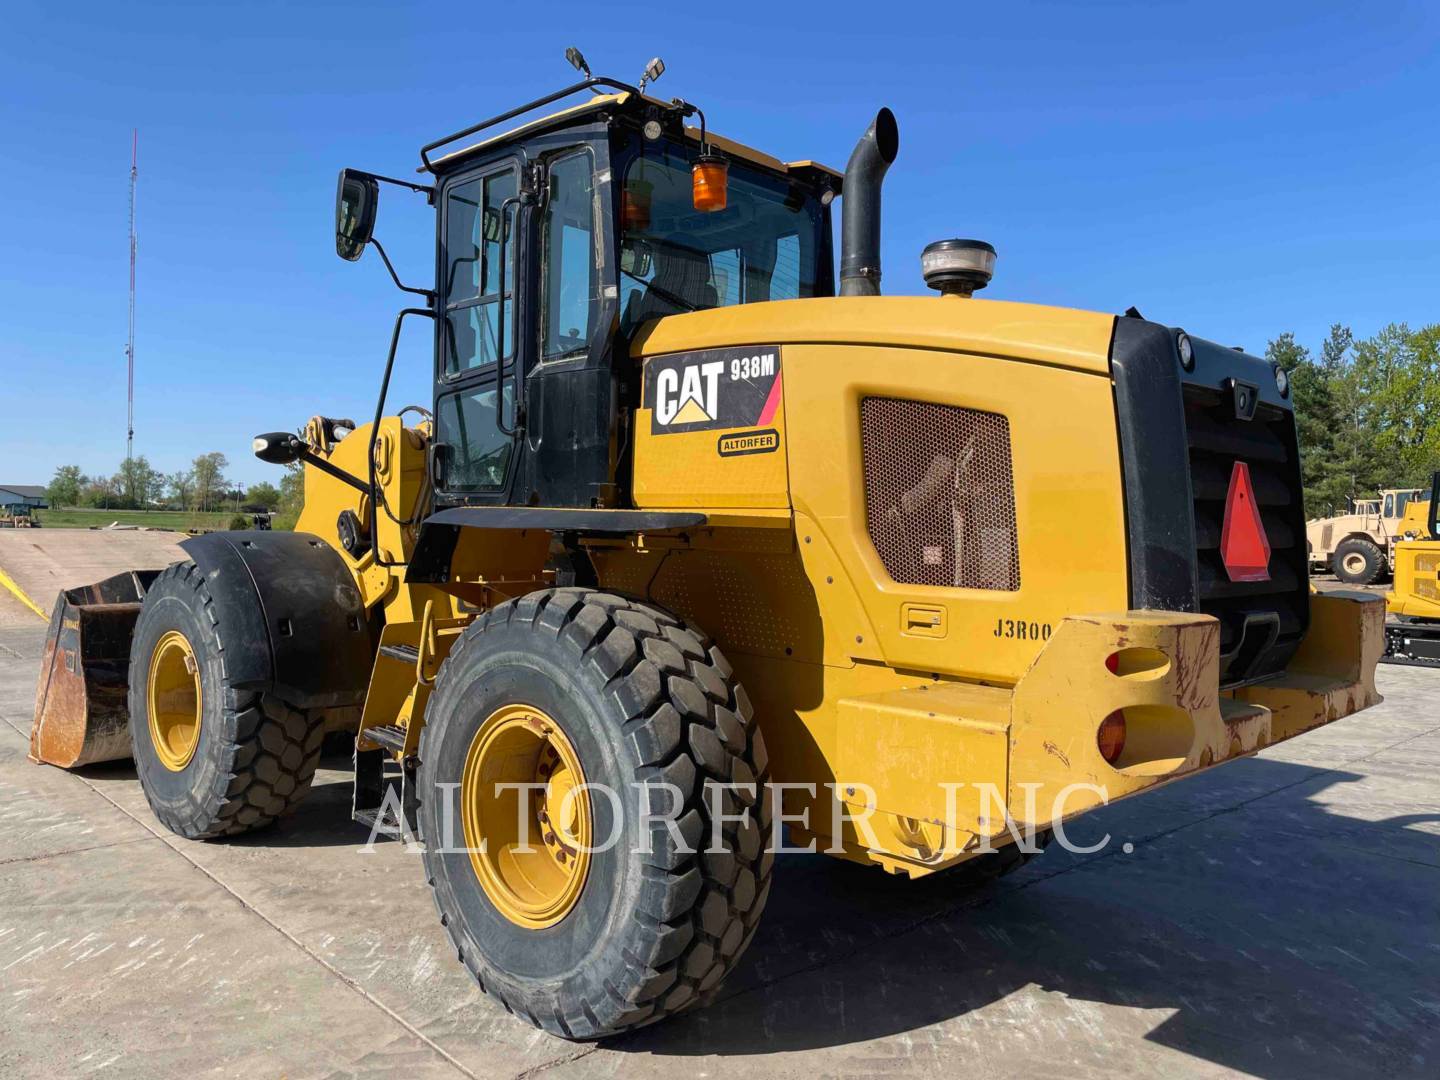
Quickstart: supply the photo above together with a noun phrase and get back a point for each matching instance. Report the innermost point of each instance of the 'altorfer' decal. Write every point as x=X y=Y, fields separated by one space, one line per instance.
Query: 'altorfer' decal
x=713 y=389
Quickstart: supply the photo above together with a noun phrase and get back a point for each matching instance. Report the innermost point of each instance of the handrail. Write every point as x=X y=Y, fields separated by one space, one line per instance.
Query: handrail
x=587 y=84
x=377 y=493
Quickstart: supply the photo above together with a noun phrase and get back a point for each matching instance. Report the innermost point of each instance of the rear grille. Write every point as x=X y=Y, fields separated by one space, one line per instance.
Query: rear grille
x=940 y=494
x=1427 y=586
x=1216 y=441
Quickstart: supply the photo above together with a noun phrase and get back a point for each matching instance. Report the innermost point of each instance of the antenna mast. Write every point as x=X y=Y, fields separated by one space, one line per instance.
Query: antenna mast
x=130 y=343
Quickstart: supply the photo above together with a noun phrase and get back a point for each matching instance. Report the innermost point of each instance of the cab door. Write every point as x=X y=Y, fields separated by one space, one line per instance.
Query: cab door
x=479 y=342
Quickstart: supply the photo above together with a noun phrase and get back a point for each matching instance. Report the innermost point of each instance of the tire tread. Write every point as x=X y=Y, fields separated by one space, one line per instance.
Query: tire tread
x=689 y=723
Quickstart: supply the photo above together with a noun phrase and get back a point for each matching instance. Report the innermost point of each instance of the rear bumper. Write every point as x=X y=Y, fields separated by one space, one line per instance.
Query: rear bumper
x=1167 y=686
x=944 y=770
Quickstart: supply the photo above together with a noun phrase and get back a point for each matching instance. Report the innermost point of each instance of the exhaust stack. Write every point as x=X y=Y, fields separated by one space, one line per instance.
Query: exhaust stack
x=860 y=232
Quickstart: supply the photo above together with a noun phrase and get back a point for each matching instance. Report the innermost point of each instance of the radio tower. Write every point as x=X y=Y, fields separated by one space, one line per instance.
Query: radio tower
x=130 y=343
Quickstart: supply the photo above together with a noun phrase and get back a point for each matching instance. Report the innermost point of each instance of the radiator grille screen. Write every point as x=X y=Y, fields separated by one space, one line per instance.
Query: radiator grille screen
x=1426 y=586
x=940 y=494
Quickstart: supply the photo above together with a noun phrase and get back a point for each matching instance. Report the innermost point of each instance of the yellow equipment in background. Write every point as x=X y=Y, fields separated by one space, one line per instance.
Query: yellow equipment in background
x=1412 y=633
x=691 y=543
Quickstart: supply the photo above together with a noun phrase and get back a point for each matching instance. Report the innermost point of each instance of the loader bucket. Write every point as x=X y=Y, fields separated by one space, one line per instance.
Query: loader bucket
x=81 y=713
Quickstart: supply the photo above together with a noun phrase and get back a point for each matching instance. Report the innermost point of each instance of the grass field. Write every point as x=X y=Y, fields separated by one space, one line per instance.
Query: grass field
x=179 y=520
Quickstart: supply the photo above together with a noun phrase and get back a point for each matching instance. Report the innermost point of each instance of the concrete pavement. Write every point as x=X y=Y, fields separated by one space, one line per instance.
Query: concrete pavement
x=1278 y=917
x=38 y=563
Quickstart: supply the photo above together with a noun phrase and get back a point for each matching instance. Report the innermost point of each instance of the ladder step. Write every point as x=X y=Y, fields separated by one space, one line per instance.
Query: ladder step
x=390 y=736
x=408 y=653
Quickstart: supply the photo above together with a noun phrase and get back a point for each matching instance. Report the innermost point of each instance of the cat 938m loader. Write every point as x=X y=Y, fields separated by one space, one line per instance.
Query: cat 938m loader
x=692 y=544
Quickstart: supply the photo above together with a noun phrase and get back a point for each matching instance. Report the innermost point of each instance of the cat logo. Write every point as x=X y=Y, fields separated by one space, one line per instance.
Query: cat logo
x=688 y=395
x=714 y=390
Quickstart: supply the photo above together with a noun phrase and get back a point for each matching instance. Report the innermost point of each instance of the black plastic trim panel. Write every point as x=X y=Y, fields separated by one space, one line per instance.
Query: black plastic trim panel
x=1156 y=466
x=440 y=532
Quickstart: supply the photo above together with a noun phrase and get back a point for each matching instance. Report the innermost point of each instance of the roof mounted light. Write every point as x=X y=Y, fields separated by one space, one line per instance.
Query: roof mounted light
x=577 y=61
x=1282 y=381
x=957 y=267
x=653 y=70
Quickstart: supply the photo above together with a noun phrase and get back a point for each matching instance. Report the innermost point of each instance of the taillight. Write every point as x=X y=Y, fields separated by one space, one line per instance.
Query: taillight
x=1111 y=736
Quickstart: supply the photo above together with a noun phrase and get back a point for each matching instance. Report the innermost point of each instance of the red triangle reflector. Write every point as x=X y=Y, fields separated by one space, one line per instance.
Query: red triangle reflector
x=1244 y=547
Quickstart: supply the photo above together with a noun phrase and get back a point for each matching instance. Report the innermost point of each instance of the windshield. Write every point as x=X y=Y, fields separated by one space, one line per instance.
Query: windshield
x=771 y=242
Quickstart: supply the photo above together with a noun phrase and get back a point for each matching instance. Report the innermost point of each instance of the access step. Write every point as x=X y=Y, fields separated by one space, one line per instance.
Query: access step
x=390 y=736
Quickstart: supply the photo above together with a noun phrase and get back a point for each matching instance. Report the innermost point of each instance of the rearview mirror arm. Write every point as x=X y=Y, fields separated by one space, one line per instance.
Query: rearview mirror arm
x=428 y=294
x=428 y=192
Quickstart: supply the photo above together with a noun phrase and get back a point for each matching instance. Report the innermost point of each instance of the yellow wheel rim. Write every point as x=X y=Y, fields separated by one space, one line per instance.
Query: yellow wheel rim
x=535 y=841
x=173 y=701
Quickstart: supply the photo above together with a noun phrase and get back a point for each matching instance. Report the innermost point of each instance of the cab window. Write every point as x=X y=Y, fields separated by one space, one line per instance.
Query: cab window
x=480 y=451
x=567 y=306
x=470 y=287
x=1389 y=505
x=769 y=243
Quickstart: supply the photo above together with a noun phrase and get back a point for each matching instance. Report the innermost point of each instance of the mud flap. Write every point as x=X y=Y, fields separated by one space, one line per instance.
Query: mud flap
x=81 y=714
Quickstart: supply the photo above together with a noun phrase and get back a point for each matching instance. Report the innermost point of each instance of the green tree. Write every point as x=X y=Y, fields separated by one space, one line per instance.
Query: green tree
x=1359 y=466
x=181 y=485
x=210 y=483
x=137 y=480
x=1312 y=394
x=102 y=492
x=263 y=494
x=1397 y=372
x=66 y=486
x=1367 y=412
x=292 y=498
x=155 y=488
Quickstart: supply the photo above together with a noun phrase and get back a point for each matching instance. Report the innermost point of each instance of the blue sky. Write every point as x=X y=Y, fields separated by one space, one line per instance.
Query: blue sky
x=1238 y=169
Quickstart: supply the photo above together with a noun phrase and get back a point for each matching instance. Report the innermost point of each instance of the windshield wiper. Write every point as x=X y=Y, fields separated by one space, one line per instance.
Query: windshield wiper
x=662 y=292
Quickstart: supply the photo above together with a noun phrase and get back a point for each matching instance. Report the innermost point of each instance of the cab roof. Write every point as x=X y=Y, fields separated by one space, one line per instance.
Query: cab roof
x=620 y=100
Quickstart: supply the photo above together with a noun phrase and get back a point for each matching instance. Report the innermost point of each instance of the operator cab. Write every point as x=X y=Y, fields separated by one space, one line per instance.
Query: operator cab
x=555 y=243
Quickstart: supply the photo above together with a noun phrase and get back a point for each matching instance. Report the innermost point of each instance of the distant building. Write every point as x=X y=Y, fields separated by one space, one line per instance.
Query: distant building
x=23 y=495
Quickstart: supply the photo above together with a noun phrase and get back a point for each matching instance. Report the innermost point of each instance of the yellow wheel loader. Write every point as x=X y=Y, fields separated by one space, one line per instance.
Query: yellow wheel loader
x=1412 y=633
x=691 y=545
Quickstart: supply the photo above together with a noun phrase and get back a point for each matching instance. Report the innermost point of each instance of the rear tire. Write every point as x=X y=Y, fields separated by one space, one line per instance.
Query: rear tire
x=251 y=757
x=637 y=697
x=1357 y=561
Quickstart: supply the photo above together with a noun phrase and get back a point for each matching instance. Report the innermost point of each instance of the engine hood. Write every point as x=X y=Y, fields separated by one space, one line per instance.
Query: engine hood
x=1034 y=333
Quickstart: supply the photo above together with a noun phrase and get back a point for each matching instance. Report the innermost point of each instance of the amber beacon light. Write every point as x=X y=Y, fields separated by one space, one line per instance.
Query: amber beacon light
x=711 y=177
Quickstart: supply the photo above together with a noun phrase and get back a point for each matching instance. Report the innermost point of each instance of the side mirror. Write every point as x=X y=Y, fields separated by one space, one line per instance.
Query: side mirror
x=355 y=200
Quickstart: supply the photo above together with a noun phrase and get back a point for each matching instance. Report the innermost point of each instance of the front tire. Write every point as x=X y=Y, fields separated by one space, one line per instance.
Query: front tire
x=627 y=695
x=212 y=760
